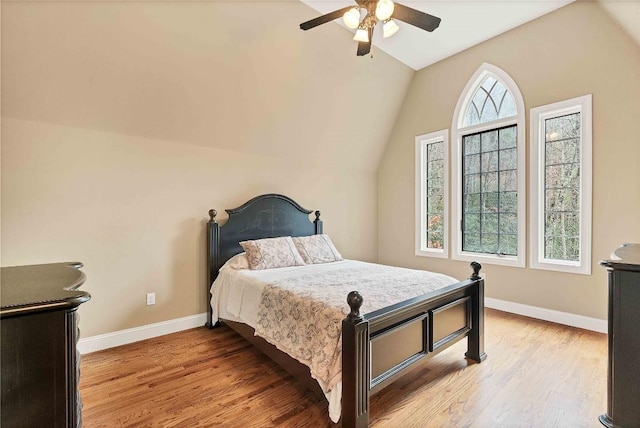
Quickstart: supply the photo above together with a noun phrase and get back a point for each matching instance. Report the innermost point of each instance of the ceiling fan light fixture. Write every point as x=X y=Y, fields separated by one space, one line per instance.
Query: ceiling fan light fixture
x=362 y=35
x=384 y=9
x=389 y=28
x=351 y=18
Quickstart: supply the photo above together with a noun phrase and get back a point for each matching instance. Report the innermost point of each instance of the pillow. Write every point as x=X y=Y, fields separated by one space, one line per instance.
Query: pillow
x=317 y=249
x=272 y=253
x=239 y=261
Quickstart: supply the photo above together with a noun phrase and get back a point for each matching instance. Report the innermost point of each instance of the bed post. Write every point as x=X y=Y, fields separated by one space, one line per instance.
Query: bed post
x=475 y=340
x=355 y=366
x=213 y=234
x=318 y=223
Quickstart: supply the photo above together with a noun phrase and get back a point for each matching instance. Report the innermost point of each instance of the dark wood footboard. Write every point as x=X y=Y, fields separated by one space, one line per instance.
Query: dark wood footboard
x=381 y=346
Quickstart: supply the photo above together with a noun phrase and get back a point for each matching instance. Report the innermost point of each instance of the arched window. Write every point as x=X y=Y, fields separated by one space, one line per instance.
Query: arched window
x=491 y=100
x=488 y=170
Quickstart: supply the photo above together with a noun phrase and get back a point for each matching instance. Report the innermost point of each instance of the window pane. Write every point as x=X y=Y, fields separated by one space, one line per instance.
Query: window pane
x=471 y=144
x=508 y=244
x=564 y=175
x=562 y=248
x=435 y=203
x=509 y=180
x=489 y=243
x=490 y=161
x=490 y=198
x=562 y=127
x=508 y=159
x=508 y=202
x=507 y=137
x=488 y=83
x=472 y=203
x=490 y=202
x=559 y=200
x=434 y=236
x=471 y=242
x=471 y=117
x=489 y=223
x=566 y=151
x=489 y=111
x=472 y=164
x=472 y=183
x=562 y=187
x=434 y=195
x=434 y=151
x=489 y=182
x=508 y=223
x=489 y=141
x=508 y=107
x=435 y=170
x=497 y=92
x=472 y=223
x=562 y=233
x=491 y=101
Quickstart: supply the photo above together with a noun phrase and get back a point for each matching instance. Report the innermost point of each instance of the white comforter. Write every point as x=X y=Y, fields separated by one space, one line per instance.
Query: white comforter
x=300 y=309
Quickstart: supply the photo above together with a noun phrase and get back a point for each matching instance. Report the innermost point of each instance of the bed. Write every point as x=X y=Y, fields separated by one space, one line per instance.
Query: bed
x=376 y=347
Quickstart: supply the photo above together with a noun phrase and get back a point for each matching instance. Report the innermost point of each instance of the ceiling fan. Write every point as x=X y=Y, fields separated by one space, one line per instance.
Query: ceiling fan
x=376 y=10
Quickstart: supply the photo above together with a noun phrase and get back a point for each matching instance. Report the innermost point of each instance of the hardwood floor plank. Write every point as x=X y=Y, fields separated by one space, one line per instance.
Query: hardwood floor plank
x=538 y=374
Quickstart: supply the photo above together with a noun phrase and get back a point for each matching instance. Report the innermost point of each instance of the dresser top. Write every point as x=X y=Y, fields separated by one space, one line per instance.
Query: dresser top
x=41 y=287
x=625 y=257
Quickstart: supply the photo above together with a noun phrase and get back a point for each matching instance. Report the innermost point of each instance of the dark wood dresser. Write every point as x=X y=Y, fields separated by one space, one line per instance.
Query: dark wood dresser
x=40 y=363
x=623 y=386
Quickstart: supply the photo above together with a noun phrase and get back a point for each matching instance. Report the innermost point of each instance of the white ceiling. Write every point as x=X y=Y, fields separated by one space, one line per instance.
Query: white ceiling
x=467 y=23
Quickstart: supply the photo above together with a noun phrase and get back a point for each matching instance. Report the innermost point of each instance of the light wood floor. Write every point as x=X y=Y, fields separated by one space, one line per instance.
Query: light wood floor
x=537 y=374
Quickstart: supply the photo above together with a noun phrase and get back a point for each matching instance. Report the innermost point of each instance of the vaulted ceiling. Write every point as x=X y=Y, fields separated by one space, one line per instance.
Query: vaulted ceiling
x=230 y=75
x=467 y=23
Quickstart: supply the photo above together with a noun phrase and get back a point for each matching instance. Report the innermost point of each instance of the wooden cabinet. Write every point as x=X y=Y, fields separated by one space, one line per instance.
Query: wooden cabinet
x=623 y=386
x=40 y=362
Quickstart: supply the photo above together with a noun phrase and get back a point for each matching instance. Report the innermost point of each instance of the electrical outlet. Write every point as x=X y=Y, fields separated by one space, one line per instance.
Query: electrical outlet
x=151 y=299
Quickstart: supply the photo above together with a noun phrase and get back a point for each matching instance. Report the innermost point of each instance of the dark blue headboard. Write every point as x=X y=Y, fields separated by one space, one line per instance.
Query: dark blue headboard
x=265 y=216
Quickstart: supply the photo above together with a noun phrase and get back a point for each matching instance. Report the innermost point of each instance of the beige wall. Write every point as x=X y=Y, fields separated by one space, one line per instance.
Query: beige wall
x=125 y=122
x=134 y=211
x=574 y=51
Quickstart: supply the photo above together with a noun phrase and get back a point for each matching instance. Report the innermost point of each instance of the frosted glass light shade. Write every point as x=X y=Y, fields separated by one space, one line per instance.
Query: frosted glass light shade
x=361 y=35
x=389 y=28
x=351 y=18
x=384 y=9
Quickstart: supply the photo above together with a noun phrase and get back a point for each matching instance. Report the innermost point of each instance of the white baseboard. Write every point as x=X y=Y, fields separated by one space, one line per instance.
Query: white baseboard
x=122 y=337
x=573 y=320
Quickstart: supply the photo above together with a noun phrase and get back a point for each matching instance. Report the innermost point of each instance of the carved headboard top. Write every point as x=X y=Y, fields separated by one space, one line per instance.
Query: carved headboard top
x=265 y=216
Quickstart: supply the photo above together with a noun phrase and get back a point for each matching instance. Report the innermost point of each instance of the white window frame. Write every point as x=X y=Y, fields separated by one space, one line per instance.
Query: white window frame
x=421 y=143
x=537 y=119
x=457 y=133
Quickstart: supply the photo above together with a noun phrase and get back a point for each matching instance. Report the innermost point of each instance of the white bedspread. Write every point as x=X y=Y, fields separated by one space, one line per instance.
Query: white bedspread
x=300 y=309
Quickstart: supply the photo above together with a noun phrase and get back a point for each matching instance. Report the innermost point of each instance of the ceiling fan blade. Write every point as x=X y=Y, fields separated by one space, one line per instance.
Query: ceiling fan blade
x=415 y=17
x=324 y=18
x=365 y=47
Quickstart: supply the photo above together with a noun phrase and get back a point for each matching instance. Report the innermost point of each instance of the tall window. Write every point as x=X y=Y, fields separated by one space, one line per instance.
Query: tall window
x=561 y=186
x=488 y=170
x=432 y=194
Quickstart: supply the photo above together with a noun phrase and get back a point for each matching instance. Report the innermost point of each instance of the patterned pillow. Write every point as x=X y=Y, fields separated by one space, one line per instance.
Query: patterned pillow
x=317 y=249
x=272 y=253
